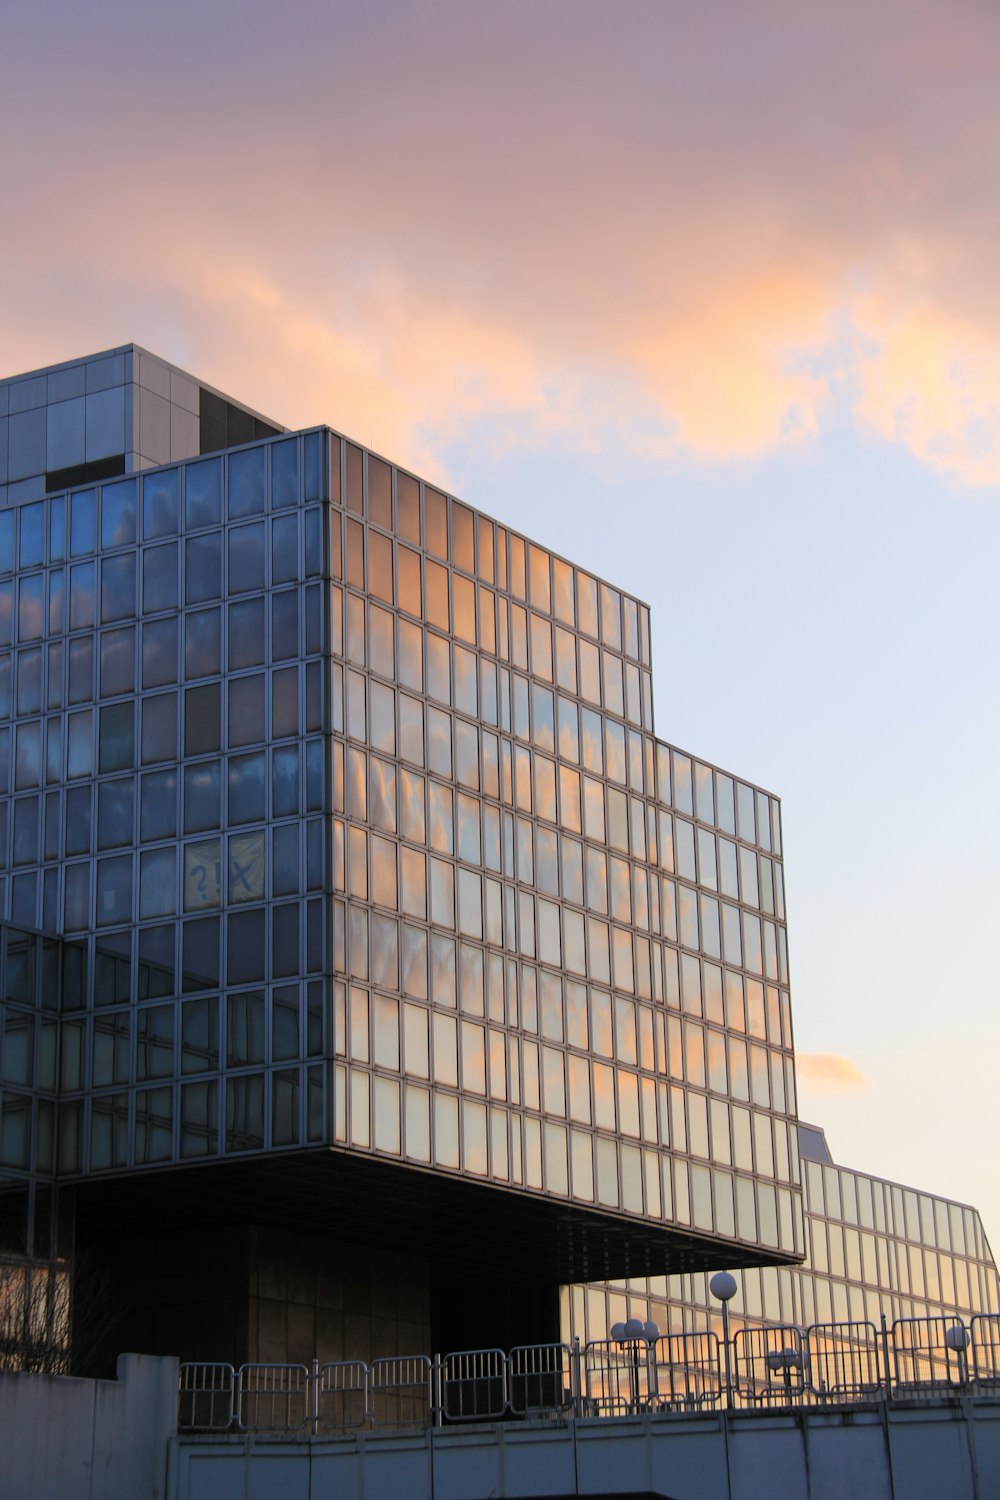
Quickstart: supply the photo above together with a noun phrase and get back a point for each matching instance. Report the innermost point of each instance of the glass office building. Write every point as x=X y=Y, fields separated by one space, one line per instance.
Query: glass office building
x=404 y=975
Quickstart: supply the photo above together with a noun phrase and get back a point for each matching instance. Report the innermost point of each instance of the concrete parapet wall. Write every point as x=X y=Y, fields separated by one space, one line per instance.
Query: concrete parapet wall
x=931 y=1453
x=67 y=1439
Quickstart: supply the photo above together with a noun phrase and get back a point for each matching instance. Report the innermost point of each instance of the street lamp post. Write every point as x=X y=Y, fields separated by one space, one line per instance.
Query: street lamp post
x=723 y=1288
x=632 y=1334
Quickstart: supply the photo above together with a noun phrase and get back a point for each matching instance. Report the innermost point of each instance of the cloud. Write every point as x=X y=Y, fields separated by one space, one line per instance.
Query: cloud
x=827 y=1073
x=688 y=231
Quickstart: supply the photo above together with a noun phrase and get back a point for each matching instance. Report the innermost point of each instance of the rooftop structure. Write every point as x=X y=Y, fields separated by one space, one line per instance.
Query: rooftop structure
x=109 y=414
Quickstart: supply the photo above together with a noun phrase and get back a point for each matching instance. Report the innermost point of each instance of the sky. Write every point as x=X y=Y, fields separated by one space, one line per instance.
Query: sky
x=703 y=296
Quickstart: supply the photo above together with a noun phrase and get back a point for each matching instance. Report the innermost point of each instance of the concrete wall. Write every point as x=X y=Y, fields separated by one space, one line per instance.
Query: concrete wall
x=865 y=1455
x=65 y=1439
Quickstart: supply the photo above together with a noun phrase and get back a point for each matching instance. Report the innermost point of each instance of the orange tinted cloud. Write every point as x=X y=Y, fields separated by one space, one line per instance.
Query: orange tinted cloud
x=827 y=1073
x=682 y=230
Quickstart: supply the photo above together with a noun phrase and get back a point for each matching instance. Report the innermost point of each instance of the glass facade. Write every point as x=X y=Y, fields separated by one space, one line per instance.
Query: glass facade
x=565 y=964
x=342 y=807
x=353 y=800
x=165 y=765
x=874 y=1249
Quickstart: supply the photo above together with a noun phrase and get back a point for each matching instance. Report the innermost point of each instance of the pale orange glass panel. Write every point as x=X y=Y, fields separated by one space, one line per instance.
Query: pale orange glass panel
x=604 y=1097
x=565 y=660
x=445 y=1050
x=410 y=595
x=435 y=522
x=474 y=1148
x=411 y=663
x=562 y=599
x=385 y=1032
x=415 y=1040
x=414 y=883
x=384 y=872
x=437 y=595
x=408 y=508
x=464 y=602
x=462 y=537
x=473 y=1058
x=380 y=565
x=359 y=1025
x=486 y=549
x=538 y=562
x=579 y=1089
x=446 y=1130
x=387 y=1134
x=586 y=592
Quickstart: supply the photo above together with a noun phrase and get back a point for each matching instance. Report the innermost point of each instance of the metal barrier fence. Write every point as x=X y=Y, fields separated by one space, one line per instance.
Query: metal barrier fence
x=540 y=1379
x=474 y=1385
x=769 y=1365
x=827 y=1364
x=687 y=1372
x=617 y=1380
x=843 y=1361
x=401 y=1391
x=985 y=1331
x=205 y=1398
x=343 y=1395
x=274 y=1398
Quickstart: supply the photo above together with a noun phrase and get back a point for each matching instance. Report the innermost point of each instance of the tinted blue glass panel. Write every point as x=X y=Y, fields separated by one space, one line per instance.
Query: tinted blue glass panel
x=284 y=473
x=159 y=578
x=285 y=781
x=83 y=520
x=284 y=549
x=247 y=800
x=203 y=493
x=6 y=541
x=246 y=558
x=203 y=568
x=32 y=548
x=57 y=529
x=81 y=596
x=118 y=514
x=161 y=504
x=118 y=587
x=116 y=737
x=114 y=813
x=202 y=796
x=247 y=482
x=314 y=466
x=158 y=805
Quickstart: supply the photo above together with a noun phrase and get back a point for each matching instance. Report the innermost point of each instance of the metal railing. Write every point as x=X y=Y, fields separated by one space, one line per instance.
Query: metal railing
x=914 y=1359
x=275 y=1398
x=474 y=1385
x=401 y=1391
x=843 y=1361
x=985 y=1331
x=342 y=1395
x=540 y=1379
x=687 y=1372
x=206 y=1398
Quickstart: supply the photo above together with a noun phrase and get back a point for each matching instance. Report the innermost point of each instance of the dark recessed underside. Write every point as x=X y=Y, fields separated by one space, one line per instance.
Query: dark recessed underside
x=365 y=1201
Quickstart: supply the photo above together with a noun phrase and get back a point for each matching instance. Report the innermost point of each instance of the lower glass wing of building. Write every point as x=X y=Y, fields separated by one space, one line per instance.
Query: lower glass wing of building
x=875 y=1250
